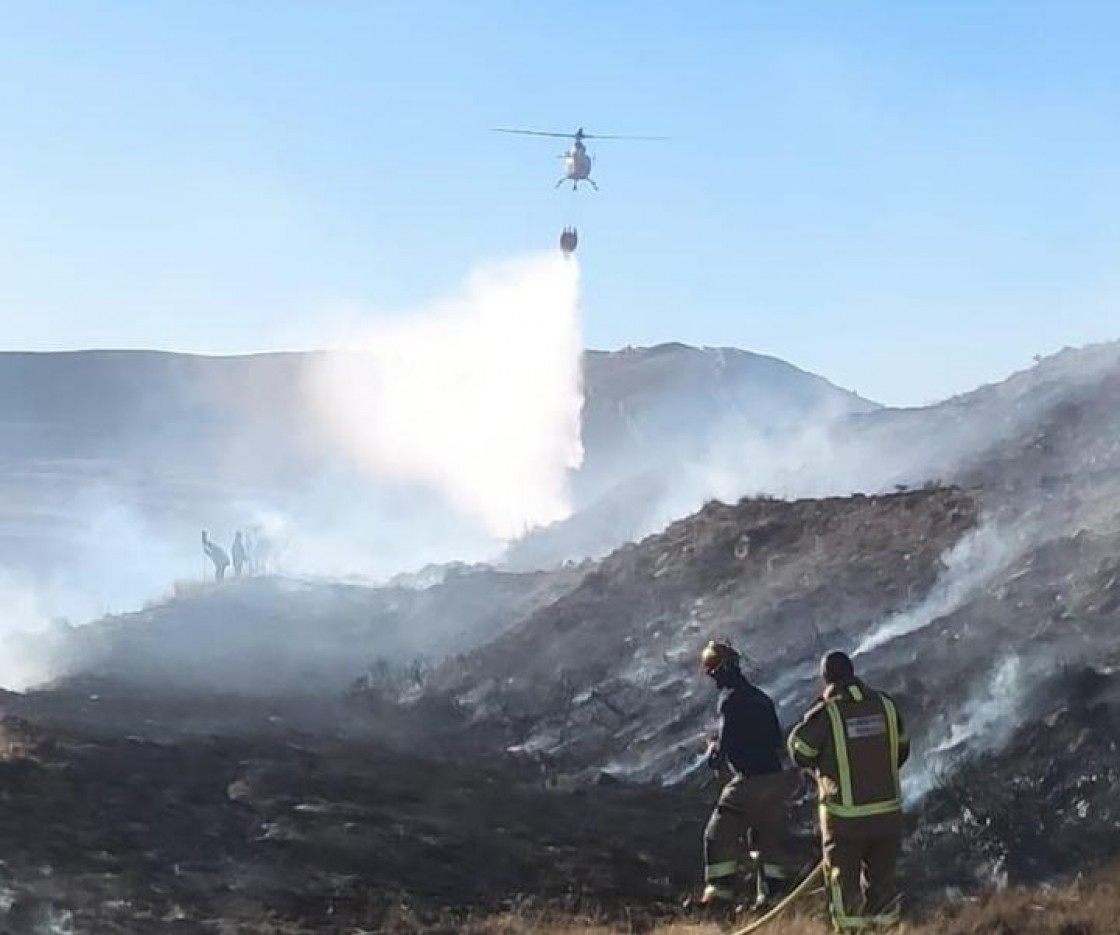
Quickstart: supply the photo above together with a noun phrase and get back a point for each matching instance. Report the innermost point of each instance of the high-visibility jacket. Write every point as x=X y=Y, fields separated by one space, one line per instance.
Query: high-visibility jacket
x=855 y=740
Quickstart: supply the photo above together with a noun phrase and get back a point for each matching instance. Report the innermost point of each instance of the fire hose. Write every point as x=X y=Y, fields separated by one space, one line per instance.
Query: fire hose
x=796 y=893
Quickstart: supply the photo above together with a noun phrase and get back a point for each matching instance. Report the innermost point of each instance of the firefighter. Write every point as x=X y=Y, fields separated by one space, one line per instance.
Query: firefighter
x=751 y=811
x=854 y=739
x=239 y=553
x=216 y=554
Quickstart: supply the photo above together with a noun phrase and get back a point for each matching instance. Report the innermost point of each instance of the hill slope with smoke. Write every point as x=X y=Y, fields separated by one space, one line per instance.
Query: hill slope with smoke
x=1032 y=523
x=1037 y=455
x=834 y=450
x=1037 y=459
x=978 y=604
x=247 y=728
x=113 y=460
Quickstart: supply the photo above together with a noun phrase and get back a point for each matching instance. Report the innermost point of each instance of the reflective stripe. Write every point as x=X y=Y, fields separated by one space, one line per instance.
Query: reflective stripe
x=892 y=732
x=885 y=919
x=887 y=807
x=841 y=921
x=726 y=868
x=836 y=902
x=840 y=745
x=851 y=923
x=797 y=745
x=856 y=694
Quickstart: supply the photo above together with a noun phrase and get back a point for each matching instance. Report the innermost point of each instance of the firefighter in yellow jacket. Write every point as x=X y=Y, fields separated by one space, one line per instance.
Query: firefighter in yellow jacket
x=855 y=740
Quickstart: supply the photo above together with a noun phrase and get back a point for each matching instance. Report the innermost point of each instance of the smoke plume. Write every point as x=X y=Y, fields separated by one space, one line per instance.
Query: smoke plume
x=26 y=626
x=972 y=563
x=985 y=722
x=477 y=398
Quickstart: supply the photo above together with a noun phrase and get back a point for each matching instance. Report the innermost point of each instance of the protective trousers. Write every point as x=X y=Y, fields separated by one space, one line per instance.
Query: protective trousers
x=751 y=814
x=860 y=871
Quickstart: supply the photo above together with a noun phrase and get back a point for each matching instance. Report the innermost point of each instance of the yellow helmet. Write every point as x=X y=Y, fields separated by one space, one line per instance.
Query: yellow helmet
x=718 y=654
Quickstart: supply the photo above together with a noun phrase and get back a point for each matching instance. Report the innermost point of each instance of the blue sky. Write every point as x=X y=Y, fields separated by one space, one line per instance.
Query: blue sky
x=910 y=198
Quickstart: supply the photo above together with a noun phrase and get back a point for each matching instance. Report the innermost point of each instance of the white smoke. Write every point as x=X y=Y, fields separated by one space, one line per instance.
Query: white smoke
x=823 y=455
x=985 y=722
x=970 y=564
x=25 y=633
x=988 y=709
x=478 y=397
x=118 y=560
x=114 y=562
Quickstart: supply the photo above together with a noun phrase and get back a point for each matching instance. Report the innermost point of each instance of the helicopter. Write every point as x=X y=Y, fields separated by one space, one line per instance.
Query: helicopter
x=577 y=162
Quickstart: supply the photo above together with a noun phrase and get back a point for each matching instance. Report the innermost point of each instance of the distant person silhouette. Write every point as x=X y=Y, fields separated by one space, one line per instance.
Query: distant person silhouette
x=250 y=553
x=258 y=548
x=217 y=555
x=240 y=554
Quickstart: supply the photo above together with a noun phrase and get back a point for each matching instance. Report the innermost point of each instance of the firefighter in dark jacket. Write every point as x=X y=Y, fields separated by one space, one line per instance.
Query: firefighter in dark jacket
x=751 y=812
x=855 y=740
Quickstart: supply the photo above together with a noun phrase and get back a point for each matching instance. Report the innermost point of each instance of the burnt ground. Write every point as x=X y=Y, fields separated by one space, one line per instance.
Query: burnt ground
x=290 y=830
x=1044 y=806
x=139 y=810
x=128 y=814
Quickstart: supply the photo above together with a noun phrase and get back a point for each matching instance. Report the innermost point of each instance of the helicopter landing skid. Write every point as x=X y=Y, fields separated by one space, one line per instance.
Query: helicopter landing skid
x=575 y=184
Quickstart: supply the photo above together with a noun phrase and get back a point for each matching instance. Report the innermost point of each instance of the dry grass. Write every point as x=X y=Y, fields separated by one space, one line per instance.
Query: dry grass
x=1082 y=909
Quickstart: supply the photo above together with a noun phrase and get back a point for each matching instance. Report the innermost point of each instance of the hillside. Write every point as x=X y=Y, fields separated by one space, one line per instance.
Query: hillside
x=647 y=408
x=782 y=579
x=1031 y=524
x=993 y=437
x=283 y=636
x=990 y=609
x=114 y=404
x=114 y=460
x=277 y=741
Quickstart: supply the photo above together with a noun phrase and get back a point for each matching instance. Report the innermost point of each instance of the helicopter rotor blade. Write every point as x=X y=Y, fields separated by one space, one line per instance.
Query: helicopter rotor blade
x=647 y=139
x=575 y=136
x=563 y=136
